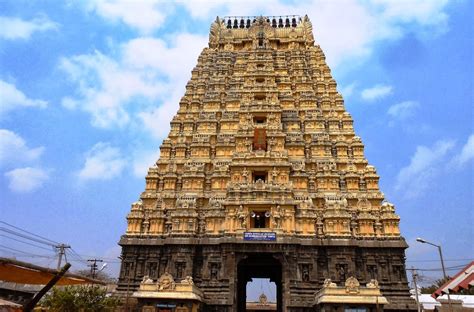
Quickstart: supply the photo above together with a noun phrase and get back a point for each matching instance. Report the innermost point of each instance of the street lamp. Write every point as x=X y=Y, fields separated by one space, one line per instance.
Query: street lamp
x=423 y=241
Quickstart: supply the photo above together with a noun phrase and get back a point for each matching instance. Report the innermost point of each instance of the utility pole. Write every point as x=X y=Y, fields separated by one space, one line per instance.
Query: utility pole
x=414 y=275
x=446 y=279
x=62 y=251
x=93 y=266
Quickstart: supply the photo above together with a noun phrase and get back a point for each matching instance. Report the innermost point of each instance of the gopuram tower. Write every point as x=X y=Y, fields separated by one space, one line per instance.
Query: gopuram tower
x=262 y=176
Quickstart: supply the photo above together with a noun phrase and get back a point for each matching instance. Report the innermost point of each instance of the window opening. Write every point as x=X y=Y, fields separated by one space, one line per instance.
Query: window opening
x=259 y=175
x=260 y=219
x=259 y=120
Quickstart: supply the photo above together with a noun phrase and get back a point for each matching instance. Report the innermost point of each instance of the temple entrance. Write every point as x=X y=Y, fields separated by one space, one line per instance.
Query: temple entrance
x=258 y=266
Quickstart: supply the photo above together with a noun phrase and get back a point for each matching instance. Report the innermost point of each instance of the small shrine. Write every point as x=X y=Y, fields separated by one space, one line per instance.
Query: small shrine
x=166 y=295
x=350 y=298
x=261 y=305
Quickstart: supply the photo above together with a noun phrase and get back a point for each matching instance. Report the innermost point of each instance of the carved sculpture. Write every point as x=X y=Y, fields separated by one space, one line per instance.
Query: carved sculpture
x=166 y=282
x=352 y=285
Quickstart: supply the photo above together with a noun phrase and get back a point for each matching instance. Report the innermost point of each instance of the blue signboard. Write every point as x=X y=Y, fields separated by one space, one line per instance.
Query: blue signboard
x=260 y=236
x=166 y=305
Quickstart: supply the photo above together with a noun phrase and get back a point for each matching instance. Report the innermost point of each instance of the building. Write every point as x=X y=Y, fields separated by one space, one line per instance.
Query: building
x=261 y=176
x=459 y=303
x=464 y=279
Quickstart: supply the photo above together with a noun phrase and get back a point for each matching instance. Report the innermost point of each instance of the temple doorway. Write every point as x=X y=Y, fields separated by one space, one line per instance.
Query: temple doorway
x=258 y=266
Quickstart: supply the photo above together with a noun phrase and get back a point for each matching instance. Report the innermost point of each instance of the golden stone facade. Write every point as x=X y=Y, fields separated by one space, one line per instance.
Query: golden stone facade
x=262 y=129
x=262 y=176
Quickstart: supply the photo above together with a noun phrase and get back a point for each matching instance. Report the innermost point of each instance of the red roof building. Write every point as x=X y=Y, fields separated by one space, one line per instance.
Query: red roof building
x=462 y=280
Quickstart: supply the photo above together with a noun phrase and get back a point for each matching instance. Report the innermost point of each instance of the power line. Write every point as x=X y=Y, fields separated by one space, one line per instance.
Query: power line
x=78 y=255
x=445 y=260
x=23 y=255
x=18 y=240
x=89 y=256
x=449 y=269
x=26 y=236
x=36 y=235
x=23 y=252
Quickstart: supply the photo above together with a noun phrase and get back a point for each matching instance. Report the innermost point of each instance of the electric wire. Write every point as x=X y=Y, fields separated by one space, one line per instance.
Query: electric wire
x=33 y=234
x=22 y=252
x=24 y=255
x=20 y=241
x=26 y=237
x=445 y=260
x=439 y=269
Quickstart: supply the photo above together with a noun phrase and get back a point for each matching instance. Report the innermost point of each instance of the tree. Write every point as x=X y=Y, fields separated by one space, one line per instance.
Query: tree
x=88 y=298
x=101 y=275
x=432 y=288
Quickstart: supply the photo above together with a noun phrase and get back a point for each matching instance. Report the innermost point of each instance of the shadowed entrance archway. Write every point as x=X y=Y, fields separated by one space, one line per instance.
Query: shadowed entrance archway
x=258 y=266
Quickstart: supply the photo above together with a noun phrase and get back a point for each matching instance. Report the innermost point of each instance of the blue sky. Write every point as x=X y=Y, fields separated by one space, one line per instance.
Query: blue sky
x=87 y=90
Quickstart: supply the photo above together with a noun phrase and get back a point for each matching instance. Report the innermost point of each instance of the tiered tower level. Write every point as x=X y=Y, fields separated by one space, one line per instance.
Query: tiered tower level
x=262 y=143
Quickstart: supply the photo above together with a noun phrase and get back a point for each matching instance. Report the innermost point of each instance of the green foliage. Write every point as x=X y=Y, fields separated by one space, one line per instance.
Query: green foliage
x=432 y=288
x=79 y=299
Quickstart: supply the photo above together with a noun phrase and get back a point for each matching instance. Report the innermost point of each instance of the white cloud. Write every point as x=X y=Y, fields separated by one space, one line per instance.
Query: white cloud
x=175 y=62
x=105 y=87
x=16 y=28
x=159 y=69
x=424 y=166
x=145 y=16
x=403 y=110
x=376 y=92
x=143 y=161
x=348 y=90
x=28 y=179
x=357 y=27
x=153 y=82
x=467 y=152
x=13 y=149
x=422 y=12
x=12 y=98
x=103 y=162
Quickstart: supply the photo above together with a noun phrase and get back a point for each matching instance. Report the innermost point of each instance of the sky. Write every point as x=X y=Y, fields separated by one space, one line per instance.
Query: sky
x=88 y=88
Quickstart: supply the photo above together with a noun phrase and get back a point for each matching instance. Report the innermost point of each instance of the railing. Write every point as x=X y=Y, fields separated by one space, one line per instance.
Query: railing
x=275 y=21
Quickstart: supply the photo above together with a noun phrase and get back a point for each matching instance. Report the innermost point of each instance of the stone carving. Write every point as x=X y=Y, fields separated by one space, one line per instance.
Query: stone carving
x=352 y=285
x=305 y=273
x=188 y=280
x=329 y=283
x=341 y=271
x=373 y=284
x=147 y=280
x=262 y=299
x=166 y=282
x=242 y=217
x=277 y=218
x=214 y=271
x=214 y=33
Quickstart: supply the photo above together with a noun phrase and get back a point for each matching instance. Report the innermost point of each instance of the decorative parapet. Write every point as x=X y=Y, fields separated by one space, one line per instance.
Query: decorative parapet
x=351 y=293
x=259 y=31
x=166 y=288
